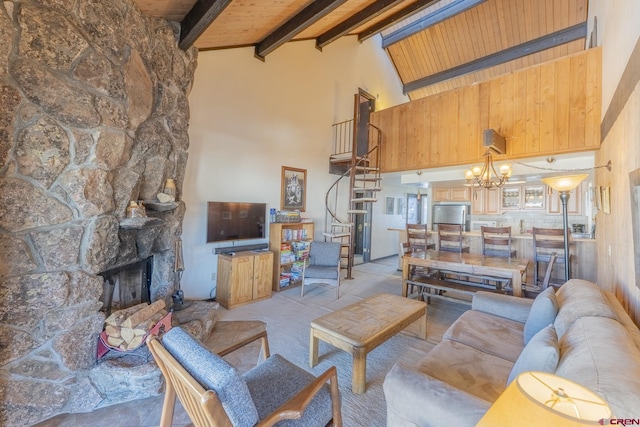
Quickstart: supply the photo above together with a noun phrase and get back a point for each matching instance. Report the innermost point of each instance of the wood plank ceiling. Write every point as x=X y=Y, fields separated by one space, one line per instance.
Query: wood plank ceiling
x=435 y=45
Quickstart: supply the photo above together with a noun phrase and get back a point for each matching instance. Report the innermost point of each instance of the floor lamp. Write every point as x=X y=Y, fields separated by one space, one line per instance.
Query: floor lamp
x=563 y=185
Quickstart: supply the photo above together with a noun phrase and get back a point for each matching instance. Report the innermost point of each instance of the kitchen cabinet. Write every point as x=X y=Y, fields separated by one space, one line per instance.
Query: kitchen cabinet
x=485 y=201
x=452 y=194
x=243 y=278
x=523 y=197
x=574 y=204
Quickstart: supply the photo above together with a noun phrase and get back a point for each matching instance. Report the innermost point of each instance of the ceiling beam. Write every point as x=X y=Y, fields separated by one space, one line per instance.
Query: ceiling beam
x=558 y=38
x=304 y=19
x=355 y=21
x=446 y=12
x=398 y=16
x=198 y=19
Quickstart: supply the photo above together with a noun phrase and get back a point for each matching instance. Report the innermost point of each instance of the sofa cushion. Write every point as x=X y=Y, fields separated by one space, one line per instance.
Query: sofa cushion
x=597 y=353
x=474 y=371
x=417 y=399
x=542 y=313
x=493 y=335
x=540 y=354
x=580 y=298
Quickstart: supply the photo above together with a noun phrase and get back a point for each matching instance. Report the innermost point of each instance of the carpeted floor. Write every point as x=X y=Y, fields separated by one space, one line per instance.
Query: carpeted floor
x=288 y=317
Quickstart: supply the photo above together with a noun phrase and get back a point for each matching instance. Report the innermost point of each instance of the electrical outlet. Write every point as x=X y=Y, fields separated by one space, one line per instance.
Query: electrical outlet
x=213 y=277
x=609 y=250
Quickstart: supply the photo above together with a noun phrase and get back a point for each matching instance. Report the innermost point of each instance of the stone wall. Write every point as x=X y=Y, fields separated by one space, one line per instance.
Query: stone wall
x=93 y=113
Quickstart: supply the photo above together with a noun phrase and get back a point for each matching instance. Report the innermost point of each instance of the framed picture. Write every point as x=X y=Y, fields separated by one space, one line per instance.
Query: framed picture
x=294 y=189
x=402 y=207
x=391 y=202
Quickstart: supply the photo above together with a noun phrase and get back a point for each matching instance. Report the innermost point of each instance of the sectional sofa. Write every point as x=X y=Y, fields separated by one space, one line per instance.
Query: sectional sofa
x=578 y=332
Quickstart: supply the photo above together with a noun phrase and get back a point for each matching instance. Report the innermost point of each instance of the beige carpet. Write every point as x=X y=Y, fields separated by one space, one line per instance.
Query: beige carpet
x=288 y=317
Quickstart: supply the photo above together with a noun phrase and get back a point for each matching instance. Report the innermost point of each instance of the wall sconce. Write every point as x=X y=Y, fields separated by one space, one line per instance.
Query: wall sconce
x=543 y=399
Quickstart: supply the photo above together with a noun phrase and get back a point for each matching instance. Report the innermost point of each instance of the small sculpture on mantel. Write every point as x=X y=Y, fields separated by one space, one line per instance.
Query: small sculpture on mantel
x=168 y=194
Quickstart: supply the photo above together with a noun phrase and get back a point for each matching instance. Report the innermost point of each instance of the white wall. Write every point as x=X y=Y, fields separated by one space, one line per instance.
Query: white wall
x=618 y=29
x=249 y=118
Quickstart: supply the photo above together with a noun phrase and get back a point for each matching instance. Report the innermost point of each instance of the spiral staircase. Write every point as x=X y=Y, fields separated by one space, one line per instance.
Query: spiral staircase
x=348 y=200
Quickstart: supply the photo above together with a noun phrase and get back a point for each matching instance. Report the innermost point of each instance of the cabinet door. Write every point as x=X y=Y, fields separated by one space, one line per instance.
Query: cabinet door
x=262 y=268
x=460 y=194
x=242 y=280
x=574 y=204
x=492 y=201
x=478 y=201
x=510 y=198
x=441 y=194
x=534 y=196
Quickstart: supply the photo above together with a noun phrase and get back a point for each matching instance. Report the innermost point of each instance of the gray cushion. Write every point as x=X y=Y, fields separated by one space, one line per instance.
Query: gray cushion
x=325 y=253
x=541 y=354
x=543 y=312
x=580 y=298
x=315 y=272
x=213 y=373
x=275 y=381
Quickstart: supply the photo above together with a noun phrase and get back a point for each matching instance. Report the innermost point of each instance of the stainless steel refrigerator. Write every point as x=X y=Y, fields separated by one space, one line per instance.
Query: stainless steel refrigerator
x=451 y=214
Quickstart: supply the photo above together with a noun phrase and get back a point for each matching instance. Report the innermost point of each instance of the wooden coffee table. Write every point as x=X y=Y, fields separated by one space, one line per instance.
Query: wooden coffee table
x=363 y=326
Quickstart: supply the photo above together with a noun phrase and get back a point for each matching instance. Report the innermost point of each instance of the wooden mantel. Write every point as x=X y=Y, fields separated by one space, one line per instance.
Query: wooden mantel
x=547 y=109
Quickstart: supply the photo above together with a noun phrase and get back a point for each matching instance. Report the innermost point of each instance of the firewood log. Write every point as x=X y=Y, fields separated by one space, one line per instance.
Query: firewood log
x=143 y=314
x=114 y=341
x=135 y=342
x=119 y=316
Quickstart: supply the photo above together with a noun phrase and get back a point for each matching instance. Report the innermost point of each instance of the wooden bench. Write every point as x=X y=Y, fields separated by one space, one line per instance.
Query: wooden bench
x=426 y=285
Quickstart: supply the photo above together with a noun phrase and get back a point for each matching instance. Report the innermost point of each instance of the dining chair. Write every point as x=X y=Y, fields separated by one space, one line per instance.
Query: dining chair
x=323 y=266
x=545 y=242
x=450 y=238
x=214 y=393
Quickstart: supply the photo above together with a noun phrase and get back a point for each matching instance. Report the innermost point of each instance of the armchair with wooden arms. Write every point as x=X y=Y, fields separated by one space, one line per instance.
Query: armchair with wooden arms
x=214 y=393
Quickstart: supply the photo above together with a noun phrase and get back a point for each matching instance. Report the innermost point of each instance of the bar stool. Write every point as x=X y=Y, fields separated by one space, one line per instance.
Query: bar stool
x=417 y=242
x=417 y=238
x=545 y=242
x=450 y=238
x=496 y=241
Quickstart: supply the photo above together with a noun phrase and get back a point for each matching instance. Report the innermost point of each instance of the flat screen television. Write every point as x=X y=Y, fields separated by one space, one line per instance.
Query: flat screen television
x=229 y=221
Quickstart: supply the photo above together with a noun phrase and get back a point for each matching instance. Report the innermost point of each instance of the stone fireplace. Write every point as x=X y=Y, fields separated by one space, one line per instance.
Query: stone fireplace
x=93 y=114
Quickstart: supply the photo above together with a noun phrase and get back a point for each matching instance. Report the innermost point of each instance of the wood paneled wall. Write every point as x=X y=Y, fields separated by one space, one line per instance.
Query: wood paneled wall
x=542 y=110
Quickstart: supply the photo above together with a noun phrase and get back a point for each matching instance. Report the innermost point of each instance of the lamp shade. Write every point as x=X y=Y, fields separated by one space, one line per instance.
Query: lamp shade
x=542 y=399
x=564 y=183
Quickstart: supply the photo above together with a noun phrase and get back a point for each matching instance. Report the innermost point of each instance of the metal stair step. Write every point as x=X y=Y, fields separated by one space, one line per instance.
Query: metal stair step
x=357 y=211
x=336 y=235
x=364 y=189
x=342 y=224
x=364 y=199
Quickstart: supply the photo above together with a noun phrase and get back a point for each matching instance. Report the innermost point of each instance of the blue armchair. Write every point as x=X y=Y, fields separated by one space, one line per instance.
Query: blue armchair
x=323 y=265
x=214 y=393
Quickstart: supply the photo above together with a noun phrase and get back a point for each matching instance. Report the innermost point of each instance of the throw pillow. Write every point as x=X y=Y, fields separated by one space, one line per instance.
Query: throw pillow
x=541 y=354
x=543 y=312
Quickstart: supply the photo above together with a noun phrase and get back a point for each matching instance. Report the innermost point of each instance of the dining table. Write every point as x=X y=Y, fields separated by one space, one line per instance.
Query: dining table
x=466 y=263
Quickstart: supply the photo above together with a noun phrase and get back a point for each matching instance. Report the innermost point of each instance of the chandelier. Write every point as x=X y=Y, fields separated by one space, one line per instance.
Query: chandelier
x=486 y=175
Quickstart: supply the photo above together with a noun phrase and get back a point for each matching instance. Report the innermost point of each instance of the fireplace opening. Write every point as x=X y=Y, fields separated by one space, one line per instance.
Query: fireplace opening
x=126 y=286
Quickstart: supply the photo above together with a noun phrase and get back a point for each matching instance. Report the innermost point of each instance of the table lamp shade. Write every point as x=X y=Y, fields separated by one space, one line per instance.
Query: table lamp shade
x=564 y=183
x=541 y=399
